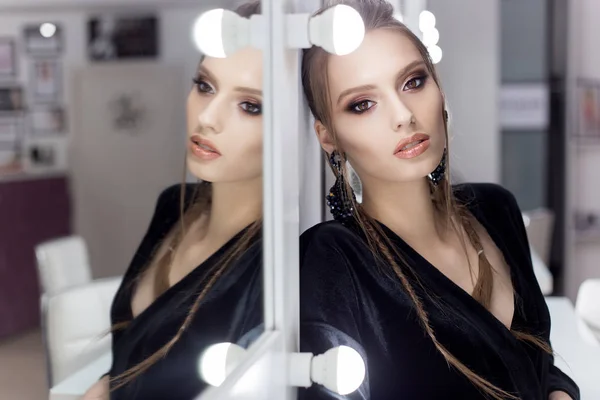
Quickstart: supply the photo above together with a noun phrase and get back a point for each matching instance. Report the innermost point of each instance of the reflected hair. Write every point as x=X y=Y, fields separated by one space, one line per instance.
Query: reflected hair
x=163 y=255
x=379 y=14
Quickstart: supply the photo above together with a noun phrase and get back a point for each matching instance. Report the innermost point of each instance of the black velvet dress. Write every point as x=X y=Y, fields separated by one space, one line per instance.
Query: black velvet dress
x=231 y=312
x=347 y=299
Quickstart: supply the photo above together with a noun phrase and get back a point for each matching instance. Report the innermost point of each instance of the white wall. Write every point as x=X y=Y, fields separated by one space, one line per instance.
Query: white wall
x=470 y=74
x=583 y=193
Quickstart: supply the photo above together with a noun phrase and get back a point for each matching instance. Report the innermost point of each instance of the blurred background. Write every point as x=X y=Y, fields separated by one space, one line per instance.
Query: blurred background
x=92 y=128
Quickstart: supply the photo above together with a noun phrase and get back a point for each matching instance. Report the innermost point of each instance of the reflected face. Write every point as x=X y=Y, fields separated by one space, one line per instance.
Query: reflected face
x=224 y=118
x=387 y=111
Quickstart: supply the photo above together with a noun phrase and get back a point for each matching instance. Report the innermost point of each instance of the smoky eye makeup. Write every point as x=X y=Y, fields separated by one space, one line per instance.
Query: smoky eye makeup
x=360 y=106
x=202 y=84
x=252 y=108
x=416 y=80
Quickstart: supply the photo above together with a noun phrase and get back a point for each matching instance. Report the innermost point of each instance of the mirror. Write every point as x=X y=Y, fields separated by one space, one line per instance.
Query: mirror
x=133 y=165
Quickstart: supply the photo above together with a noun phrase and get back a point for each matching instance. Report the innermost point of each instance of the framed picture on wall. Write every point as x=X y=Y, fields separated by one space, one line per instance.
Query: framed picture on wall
x=40 y=41
x=47 y=120
x=8 y=58
x=46 y=80
x=113 y=37
x=11 y=99
x=588 y=97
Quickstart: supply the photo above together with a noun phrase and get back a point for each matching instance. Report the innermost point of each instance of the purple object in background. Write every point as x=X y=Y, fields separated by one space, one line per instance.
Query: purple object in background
x=31 y=212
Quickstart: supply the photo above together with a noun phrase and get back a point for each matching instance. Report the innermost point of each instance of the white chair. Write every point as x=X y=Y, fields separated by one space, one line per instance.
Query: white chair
x=78 y=325
x=75 y=309
x=62 y=264
x=539 y=225
x=587 y=305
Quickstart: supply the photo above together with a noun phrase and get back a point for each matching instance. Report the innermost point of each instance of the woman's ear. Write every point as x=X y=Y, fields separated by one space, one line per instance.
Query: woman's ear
x=324 y=137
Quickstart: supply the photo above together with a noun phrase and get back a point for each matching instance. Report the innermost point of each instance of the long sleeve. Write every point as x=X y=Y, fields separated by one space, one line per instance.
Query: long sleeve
x=557 y=380
x=329 y=312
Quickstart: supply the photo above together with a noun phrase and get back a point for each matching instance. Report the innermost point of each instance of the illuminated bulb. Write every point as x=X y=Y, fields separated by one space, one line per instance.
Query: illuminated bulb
x=436 y=54
x=219 y=33
x=47 y=30
x=339 y=30
x=341 y=370
x=218 y=361
x=426 y=21
x=431 y=37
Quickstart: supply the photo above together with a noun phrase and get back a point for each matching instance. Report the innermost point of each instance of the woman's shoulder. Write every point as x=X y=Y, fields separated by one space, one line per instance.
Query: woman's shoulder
x=330 y=237
x=486 y=197
x=483 y=192
x=171 y=195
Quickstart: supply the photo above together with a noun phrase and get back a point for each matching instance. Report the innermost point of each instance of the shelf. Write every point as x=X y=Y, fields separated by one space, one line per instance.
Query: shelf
x=32 y=175
x=586 y=144
x=588 y=237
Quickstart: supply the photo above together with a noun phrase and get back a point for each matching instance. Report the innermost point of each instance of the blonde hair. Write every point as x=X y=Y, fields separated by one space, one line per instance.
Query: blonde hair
x=378 y=14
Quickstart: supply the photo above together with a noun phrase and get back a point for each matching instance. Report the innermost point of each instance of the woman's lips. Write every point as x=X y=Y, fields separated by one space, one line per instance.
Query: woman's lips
x=413 y=146
x=203 y=149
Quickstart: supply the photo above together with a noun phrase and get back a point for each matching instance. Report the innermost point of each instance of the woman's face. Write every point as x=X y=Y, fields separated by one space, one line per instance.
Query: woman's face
x=224 y=118
x=386 y=110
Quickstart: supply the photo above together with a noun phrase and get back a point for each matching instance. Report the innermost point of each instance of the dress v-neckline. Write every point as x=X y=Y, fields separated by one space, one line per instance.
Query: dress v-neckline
x=175 y=288
x=458 y=289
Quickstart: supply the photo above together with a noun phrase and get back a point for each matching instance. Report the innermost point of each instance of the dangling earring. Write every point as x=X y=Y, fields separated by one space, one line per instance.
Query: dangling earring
x=340 y=206
x=439 y=172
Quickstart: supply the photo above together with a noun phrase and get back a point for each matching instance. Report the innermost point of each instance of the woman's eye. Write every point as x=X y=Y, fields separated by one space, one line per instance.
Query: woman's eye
x=251 y=108
x=202 y=86
x=415 y=83
x=362 y=106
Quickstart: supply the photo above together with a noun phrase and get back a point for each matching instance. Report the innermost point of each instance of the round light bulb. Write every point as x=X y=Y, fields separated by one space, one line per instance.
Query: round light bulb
x=218 y=361
x=340 y=30
x=47 y=30
x=436 y=54
x=340 y=369
x=219 y=33
x=207 y=33
x=426 y=21
x=431 y=37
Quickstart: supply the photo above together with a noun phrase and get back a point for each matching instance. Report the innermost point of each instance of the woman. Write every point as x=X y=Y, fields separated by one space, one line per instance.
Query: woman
x=432 y=283
x=196 y=278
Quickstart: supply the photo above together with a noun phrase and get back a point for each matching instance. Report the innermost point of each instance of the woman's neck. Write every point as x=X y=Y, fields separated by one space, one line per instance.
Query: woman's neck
x=234 y=206
x=406 y=208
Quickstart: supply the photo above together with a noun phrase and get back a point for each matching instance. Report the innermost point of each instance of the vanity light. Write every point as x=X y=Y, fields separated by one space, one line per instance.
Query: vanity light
x=220 y=33
x=340 y=369
x=436 y=53
x=430 y=35
x=218 y=361
x=426 y=21
x=339 y=30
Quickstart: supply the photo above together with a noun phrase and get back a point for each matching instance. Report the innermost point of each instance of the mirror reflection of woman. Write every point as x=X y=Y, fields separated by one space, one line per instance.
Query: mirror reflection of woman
x=432 y=283
x=196 y=279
